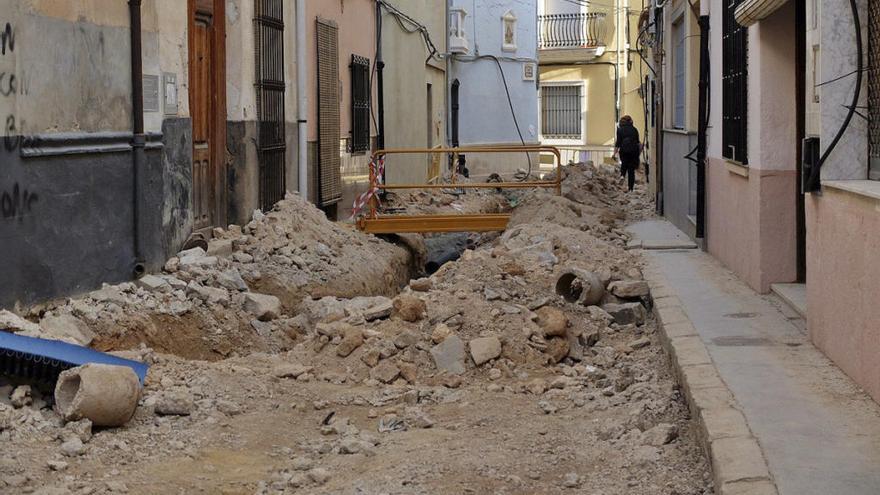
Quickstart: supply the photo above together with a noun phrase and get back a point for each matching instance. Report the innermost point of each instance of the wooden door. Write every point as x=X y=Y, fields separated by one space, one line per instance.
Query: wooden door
x=207 y=107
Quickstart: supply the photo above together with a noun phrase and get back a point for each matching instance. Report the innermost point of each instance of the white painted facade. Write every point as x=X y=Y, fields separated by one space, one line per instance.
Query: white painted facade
x=484 y=114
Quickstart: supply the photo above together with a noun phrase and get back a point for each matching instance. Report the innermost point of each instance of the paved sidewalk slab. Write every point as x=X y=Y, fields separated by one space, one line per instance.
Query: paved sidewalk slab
x=774 y=409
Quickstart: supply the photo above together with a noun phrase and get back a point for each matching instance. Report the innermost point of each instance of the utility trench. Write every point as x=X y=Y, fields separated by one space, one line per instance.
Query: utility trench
x=403 y=365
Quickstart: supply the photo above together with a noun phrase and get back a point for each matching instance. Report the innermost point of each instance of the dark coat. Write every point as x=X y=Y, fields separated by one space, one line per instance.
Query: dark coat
x=628 y=143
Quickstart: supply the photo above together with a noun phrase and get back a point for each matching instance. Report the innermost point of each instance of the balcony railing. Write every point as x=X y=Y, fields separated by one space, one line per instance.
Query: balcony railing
x=557 y=31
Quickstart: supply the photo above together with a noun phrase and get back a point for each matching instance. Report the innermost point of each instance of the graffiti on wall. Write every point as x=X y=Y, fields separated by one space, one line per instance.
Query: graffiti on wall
x=18 y=201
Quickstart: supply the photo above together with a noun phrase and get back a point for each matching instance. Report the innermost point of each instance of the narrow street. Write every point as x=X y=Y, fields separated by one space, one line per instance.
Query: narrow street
x=348 y=391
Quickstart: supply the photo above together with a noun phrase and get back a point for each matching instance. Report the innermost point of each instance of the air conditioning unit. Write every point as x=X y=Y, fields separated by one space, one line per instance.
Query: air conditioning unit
x=458 y=42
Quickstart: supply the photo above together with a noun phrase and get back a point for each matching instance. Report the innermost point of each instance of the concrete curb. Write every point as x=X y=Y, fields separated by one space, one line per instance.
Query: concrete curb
x=738 y=464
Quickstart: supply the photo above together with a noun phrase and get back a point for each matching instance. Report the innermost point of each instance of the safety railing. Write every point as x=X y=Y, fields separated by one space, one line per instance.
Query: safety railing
x=584 y=30
x=372 y=222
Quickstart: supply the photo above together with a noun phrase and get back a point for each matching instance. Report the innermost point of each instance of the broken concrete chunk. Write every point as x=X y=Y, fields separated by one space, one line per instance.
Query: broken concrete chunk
x=449 y=355
x=210 y=295
x=108 y=294
x=231 y=279
x=175 y=403
x=67 y=328
x=409 y=308
x=553 y=321
x=291 y=370
x=153 y=283
x=639 y=343
x=440 y=333
x=627 y=313
x=21 y=397
x=629 y=289
x=351 y=340
x=660 y=435
x=264 y=307
x=557 y=349
x=485 y=349
x=406 y=339
x=222 y=248
x=11 y=322
x=379 y=311
x=385 y=372
x=421 y=285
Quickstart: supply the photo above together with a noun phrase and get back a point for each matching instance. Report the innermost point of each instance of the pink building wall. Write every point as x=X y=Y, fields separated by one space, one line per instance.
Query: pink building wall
x=751 y=211
x=843 y=289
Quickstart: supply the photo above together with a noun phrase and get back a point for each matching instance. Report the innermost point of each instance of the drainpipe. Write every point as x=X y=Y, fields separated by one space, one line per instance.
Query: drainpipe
x=380 y=84
x=139 y=140
x=702 y=127
x=302 y=105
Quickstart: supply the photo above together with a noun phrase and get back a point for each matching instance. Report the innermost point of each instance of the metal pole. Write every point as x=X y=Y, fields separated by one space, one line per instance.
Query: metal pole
x=302 y=125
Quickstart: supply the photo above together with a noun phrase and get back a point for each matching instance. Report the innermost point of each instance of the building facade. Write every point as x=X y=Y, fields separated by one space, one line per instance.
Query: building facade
x=493 y=82
x=589 y=76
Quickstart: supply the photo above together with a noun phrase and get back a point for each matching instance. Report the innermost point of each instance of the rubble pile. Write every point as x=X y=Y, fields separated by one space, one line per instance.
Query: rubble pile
x=529 y=365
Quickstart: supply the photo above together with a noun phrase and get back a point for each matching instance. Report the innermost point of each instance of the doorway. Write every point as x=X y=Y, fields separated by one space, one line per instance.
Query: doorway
x=207 y=101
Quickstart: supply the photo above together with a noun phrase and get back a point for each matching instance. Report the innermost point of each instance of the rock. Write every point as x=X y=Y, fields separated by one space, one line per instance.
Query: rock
x=195 y=257
x=210 y=295
x=590 y=337
x=351 y=340
x=371 y=357
x=302 y=464
x=81 y=429
x=242 y=258
x=319 y=476
x=291 y=370
x=56 y=465
x=73 y=447
x=484 y=349
x=406 y=339
x=152 y=283
x=409 y=372
x=264 y=307
x=639 y=343
x=11 y=322
x=629 y=289
x=385 y=372
x=598 y=313
x=557 y=349
x=172 y=265
x=175 y=403
x=449 y=355
x=440 y=333
x=231 y=279
x=421 y=285
x=417 y=418
x=67 y=328
x=660 y=435
x=553 y=321
x=353 y=445
x=547 y=407
x=571 y=480
x=21 y=396
x=222 y=248
x=537 y=386
x=495 y=374
x=108 y=294
x=491 y=294
x=379 y=311
x=409 y=308
x=227 y=407
x=627 y=313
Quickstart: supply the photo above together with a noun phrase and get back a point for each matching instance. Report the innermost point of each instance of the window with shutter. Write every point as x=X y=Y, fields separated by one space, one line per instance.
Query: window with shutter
x=329 y=162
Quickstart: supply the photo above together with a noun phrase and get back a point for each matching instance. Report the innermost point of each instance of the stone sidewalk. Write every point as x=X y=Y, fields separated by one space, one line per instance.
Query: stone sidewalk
x=776 y=415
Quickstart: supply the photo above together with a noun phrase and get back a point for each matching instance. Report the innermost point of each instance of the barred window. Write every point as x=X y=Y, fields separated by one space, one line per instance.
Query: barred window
x=873 y=90
x=561 y=116
x=360 y=104
x=735 y=83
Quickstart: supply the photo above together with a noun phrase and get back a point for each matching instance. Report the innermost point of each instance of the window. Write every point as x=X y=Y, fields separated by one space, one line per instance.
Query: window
x=873 y=90
x=735 y=82
x=561 y=116
x=360 y=104
x=679 y=67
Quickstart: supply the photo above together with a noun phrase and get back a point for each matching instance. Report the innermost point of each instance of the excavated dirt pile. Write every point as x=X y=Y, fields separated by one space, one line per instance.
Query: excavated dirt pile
x=478 y=379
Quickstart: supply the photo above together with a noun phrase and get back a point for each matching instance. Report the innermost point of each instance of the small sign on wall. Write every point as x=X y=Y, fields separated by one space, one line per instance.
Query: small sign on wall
x=169 y=83
x=151 y=93
x=529 y=72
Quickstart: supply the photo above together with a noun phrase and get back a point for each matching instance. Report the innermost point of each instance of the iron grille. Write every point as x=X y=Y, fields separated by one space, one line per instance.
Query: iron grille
x=270 y=85
x=360 y=104
x=873 y=89
x=572 y=30
x=329 y=162
x=561 y=112
x=735 y=81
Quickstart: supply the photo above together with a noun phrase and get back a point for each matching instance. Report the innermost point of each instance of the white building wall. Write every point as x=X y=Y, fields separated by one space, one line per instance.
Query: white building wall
x=484 y=115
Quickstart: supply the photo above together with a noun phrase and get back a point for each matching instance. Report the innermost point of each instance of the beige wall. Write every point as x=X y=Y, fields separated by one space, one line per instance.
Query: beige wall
x=357 y=35
x=844 y=282
x=407 y=123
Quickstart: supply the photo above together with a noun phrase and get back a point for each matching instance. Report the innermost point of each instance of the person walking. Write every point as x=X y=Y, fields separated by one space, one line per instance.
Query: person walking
x=628 y=148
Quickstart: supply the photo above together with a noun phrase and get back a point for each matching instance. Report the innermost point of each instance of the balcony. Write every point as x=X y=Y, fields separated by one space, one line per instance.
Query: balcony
x=571 y=37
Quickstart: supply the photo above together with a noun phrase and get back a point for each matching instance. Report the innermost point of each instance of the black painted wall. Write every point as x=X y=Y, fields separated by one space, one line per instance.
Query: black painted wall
x=66 y=221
